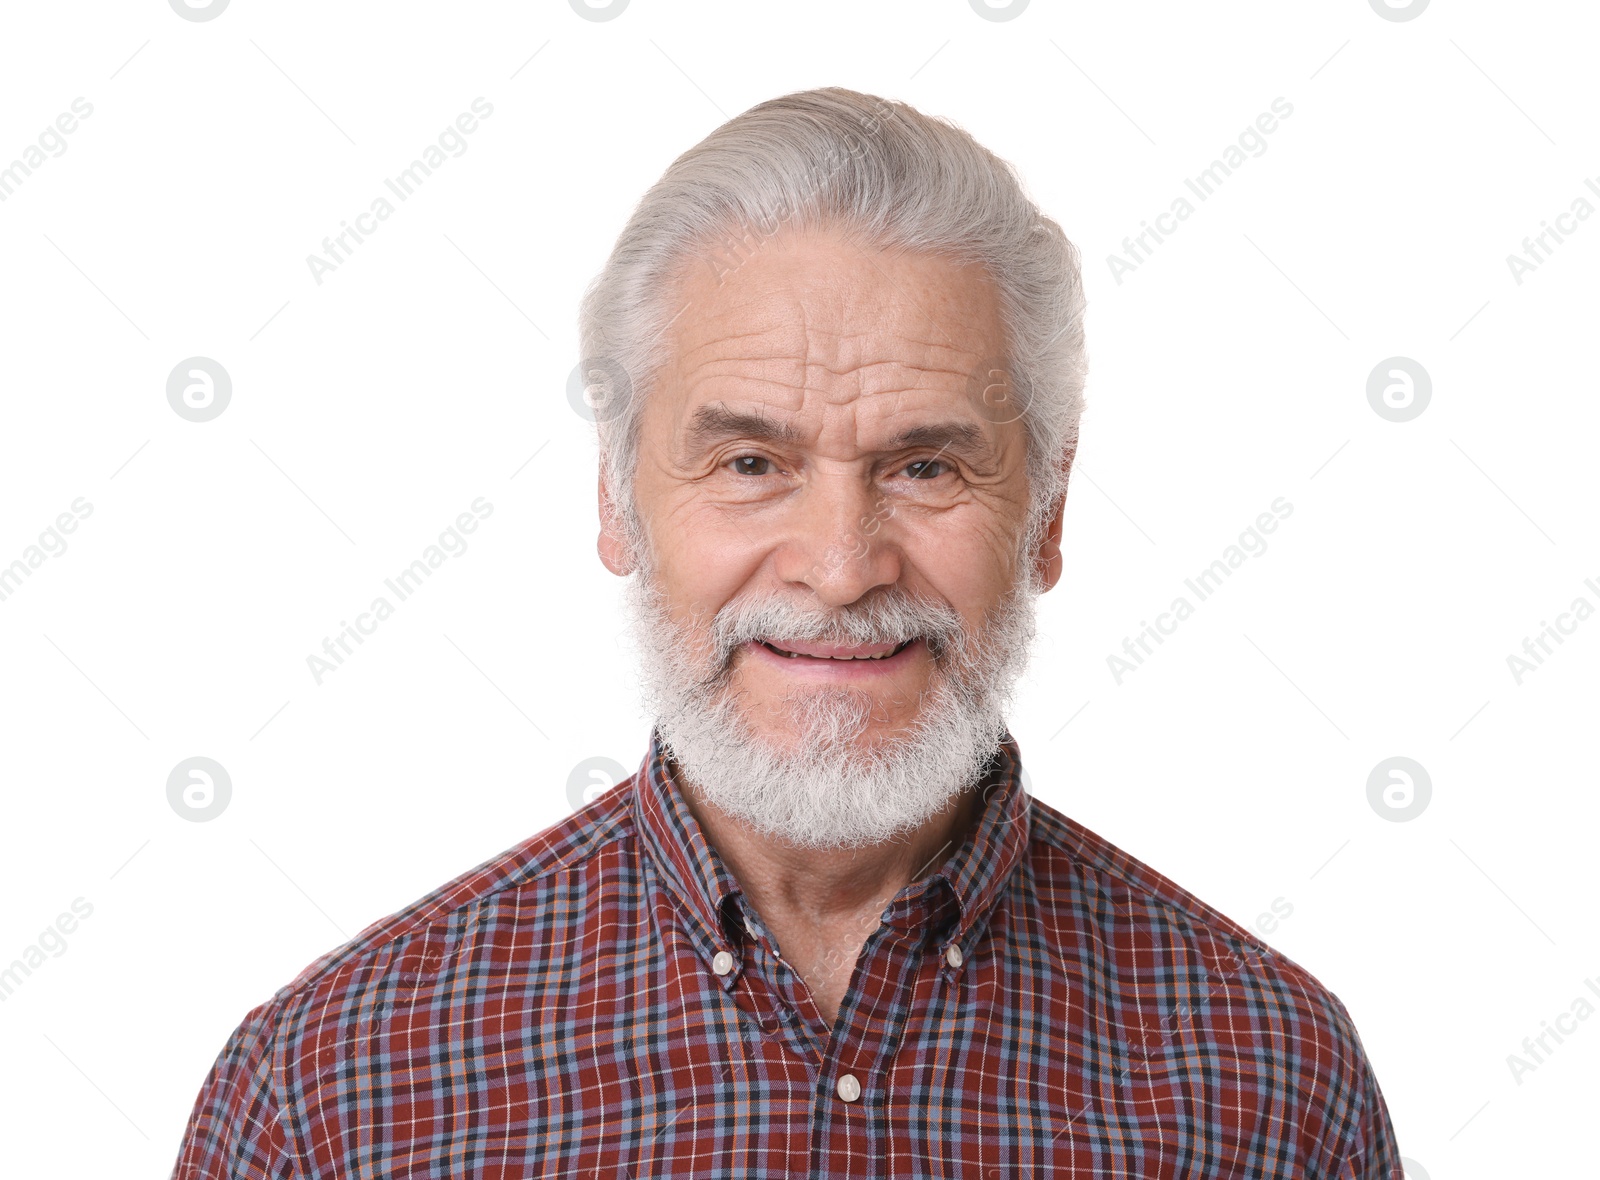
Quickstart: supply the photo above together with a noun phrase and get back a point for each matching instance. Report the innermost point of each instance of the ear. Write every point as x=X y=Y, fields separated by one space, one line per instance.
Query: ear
x=1047 y=561
x=612 y=546
x=1048 y=558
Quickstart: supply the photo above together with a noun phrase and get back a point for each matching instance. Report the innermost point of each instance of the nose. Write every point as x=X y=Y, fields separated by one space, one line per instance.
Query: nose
x=840 y=539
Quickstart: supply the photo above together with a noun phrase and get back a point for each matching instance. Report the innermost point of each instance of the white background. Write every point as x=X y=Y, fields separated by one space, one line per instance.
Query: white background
x=430 y=369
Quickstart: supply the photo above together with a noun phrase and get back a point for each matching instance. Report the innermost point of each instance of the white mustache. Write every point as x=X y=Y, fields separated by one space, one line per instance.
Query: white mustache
x=894 y=617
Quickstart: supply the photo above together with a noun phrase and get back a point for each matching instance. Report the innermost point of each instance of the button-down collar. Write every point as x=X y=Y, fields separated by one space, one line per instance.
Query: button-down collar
x=965 y=884
x=688 y=865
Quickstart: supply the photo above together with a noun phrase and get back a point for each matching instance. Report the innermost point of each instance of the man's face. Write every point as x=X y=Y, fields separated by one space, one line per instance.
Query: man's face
x=820 y=435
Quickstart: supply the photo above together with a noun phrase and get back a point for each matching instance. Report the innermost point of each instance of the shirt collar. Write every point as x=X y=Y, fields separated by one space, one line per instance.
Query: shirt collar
x=675 y=841
x=969 y=879
x=965 y=883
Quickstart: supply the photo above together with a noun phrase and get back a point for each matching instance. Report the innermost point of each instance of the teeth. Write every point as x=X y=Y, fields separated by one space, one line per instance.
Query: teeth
x=794 y=655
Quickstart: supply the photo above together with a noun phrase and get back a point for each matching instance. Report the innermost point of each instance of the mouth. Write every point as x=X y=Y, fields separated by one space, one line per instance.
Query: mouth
x=834 y=652
x=835 y=663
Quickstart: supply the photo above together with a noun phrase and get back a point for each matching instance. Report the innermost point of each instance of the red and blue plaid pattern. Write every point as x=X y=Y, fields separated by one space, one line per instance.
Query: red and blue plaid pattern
x=557 y=1012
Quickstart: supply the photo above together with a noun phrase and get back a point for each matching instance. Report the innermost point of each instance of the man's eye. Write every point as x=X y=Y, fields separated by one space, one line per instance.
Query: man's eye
x=925 y=469
x=751 y=465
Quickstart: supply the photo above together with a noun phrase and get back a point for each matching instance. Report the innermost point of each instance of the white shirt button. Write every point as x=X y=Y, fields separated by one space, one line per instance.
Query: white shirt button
x=749 y=929
x=849 y=1088
x=722 y=963
x=952 y=955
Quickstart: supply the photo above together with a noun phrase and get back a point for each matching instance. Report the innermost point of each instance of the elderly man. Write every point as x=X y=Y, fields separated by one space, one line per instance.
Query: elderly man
x=837 y=358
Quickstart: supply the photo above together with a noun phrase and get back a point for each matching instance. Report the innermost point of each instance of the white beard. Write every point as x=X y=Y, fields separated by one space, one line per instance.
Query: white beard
x=829 y=785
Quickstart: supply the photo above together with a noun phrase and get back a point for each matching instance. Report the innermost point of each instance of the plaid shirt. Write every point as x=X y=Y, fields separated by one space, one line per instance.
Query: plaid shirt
x=600 y=1001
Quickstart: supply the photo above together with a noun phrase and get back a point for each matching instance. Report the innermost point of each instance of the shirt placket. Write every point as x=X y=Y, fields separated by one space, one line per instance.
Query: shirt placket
x=778 y=997
x=848 y=1117
x=850 y=1065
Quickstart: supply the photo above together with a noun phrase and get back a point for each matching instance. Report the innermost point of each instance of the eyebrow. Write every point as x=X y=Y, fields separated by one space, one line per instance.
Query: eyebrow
x=713 y=424
x=957 y=438
x=716 y=423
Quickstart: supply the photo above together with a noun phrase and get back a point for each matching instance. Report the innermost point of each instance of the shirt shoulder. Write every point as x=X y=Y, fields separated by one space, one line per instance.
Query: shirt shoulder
x=1176 y=974
x=1069 y=858
x=1079 y=876
x=539 y=864
x=247 y=1121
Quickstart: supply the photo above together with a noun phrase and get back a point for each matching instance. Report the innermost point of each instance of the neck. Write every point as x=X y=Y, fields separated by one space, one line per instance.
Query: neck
x=828 y=887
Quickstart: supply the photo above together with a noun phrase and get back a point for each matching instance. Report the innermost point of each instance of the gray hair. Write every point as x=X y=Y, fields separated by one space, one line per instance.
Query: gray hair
x=883 y=173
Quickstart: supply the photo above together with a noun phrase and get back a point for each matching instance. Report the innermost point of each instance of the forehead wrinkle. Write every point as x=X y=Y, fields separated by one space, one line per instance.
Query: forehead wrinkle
x=789 y=316
x=832 y=415
x=797 y=373
x=797 y=348
x=926 y=316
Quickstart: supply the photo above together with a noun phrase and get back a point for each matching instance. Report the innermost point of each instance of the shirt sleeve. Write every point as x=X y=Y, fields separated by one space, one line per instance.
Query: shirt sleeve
x=1369 y=1150
x=236 y=1130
